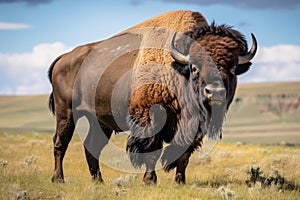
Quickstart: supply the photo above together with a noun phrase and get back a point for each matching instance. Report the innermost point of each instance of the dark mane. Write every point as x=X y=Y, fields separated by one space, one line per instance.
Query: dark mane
x=219 y=30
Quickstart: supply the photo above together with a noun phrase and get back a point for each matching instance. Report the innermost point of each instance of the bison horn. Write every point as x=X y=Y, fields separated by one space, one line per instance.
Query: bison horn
x=176 y=55
x=251 y=53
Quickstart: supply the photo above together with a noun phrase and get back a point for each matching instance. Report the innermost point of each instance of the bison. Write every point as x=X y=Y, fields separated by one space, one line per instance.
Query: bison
x=165 y=83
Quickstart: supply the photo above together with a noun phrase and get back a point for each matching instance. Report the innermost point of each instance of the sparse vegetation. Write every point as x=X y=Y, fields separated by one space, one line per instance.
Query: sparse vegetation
x=256 y=176
x=26 y=166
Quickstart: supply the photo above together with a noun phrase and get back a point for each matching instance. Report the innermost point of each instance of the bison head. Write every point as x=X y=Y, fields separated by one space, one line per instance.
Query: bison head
x=216 y=56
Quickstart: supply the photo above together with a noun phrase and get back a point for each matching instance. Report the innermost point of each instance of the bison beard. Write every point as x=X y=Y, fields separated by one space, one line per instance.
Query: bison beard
x=216 y=115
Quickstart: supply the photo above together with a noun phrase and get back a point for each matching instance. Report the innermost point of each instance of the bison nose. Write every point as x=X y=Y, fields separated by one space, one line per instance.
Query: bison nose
x=214 y=94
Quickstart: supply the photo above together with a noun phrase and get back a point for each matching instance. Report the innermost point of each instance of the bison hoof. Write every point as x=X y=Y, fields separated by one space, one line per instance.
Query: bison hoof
x=180 y=178
x=150 y=178
x=56 y=179
x=98 y=177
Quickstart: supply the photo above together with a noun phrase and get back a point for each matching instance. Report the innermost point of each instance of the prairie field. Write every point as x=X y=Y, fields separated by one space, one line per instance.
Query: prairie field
x=258 y=157
x=27 y=163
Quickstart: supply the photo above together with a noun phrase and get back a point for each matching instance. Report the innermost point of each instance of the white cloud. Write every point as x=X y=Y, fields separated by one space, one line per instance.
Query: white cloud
x=273 y=64
x=26 y=73
x=12 y=26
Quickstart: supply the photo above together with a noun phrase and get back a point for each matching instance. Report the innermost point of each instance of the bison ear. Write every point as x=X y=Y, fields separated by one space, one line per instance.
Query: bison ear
x=242 y=68
x=184 y=70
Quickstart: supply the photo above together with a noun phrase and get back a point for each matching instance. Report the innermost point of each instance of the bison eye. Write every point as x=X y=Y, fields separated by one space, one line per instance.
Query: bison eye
x=195 y=72
x=194 y=69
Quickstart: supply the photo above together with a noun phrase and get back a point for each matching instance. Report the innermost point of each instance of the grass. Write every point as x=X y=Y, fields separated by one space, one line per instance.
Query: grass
x=26 y=165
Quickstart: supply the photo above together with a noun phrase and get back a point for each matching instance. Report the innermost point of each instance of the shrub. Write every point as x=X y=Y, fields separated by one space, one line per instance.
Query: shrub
x=267 y=180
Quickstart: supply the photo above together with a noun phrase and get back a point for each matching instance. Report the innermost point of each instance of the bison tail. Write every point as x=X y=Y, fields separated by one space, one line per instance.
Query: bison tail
x=51 y=104
x=50 y=71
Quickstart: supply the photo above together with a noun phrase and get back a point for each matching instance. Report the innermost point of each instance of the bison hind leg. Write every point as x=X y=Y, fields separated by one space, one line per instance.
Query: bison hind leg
x=97 y=138
x=93 y=164
x=63 y=135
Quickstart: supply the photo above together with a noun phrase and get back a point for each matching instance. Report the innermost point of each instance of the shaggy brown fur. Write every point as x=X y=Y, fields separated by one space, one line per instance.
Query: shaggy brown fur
x=177 y=20
x=222 y=43
x=157 y=32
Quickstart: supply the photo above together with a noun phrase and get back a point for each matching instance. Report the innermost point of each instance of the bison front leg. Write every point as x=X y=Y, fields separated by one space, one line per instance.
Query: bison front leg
x=64 y=132
x=182 y=163
x=176 y=157
x=145 y=151
x=95 y=141
x=150 y=162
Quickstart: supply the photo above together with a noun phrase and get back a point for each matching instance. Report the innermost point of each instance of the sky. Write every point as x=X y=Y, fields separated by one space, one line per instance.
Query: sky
x=34 y=32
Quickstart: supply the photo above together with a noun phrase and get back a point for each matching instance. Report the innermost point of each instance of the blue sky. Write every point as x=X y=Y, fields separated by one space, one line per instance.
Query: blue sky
x=34 y=32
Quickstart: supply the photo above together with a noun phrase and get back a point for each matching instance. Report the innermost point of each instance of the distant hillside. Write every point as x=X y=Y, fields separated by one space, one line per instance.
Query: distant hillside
x=257 y=109
x=265 y=107
x=25 y=114
x=265 y=113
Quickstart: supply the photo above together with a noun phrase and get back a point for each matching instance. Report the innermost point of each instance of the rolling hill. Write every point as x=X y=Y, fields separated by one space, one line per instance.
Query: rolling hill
x=259 y=110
